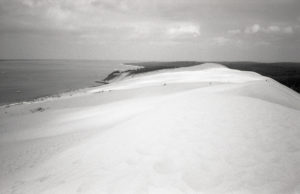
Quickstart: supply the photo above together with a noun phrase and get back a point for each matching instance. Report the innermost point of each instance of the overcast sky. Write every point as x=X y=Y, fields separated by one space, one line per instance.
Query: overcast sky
x=257 y=30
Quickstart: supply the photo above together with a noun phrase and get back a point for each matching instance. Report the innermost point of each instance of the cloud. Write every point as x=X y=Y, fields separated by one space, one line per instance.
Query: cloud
x=220 y=40
x=255 y=28
x=57 y=13
x=234 y=32
x=183 y=30
x=288 y=30
x=272 y=29
x=277 y=29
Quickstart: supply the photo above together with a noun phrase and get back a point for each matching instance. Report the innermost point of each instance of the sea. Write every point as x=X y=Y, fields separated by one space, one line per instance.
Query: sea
x=27 y=80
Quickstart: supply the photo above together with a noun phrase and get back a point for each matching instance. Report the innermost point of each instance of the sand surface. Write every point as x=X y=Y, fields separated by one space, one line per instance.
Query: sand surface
x=202 y=129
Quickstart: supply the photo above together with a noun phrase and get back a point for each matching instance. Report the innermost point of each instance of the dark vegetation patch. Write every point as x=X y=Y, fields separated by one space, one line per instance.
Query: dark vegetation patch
x=149 y=69
x=172 y=64
x=112 y=75
x=150 y=66
x=39 y=109
x=101 y=82
x=154 y=66
x=286 y=73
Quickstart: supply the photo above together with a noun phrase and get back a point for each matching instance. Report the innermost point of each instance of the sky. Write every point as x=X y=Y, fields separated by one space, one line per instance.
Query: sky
x=218 y=30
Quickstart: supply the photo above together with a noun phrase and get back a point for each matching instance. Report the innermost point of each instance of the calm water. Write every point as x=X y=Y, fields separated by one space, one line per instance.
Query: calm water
x=25 y=80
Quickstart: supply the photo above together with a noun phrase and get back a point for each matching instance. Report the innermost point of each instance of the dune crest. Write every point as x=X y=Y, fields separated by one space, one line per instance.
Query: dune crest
x=201 y=129
x=209 y=66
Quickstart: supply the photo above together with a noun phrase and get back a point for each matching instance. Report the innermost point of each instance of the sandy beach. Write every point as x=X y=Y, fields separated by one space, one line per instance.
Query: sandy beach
x=200 y=129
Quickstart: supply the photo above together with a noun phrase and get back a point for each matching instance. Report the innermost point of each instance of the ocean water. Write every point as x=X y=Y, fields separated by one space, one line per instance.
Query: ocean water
x=26 y=80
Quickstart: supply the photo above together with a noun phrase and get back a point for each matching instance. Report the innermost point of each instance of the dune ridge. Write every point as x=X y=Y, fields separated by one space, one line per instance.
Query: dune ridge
x=200 y=129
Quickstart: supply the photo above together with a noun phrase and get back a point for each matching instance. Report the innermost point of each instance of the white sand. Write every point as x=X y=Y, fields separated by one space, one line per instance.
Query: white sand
x=203 y=129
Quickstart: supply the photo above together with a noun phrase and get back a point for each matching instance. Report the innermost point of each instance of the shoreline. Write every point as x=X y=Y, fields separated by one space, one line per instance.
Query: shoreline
x=69 y=92
x=51 y=97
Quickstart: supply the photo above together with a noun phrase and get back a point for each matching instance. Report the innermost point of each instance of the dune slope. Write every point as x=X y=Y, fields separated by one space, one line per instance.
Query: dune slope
x=202 y=129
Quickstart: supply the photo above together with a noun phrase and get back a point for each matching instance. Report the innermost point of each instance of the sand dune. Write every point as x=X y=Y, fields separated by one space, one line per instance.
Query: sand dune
x=202 y=129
